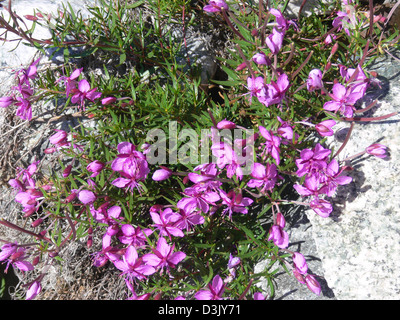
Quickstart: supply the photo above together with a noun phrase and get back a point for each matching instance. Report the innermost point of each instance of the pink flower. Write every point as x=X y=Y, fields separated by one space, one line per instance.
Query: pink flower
x=108 y=100
x=69 y=82
x=261 y=58
x=264 y=177
x=6 y=102
x=313 y=284
x=274 y=92
x=132 y=266
x=162 y=174
x=188 y=219
x=33 y=290
x=134 y=236
x=25 y=109
x=377 y=150
x=259 y=296
x=275 y=40
x=324 y=128
x=271 y=144
x=16 y=258
x=164 y=255
x=312 y=161
x=279 y=237
x=343 y=100
x=197 y=200
x=321 y=207
x=84 y=92
x=299 y=262
x=314 y=80
x=214 y=291
x=86 y=197
x=96 y=167
x=165 y=222
x=216 y=6
x=225 y=124
x=235 y=202
x=255 y=86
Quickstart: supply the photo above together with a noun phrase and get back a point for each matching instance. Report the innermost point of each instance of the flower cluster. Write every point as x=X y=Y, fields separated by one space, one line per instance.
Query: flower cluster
x=22 y=94
x=244 y=172
x=322 y=177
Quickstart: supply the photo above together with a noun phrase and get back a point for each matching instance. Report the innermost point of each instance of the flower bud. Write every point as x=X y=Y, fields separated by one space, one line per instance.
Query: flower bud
x=50 y=150
x=280 y=220
x=300 y=263
x=36 y=222
x=225 y=124
x=6 y=102
x=313 y=284
x=161 y=174
x=108 y=100
x=58 y=137
x=67 y=171
x=377 y=150
x=87 y=197
x=324 y=128
x=95 y=167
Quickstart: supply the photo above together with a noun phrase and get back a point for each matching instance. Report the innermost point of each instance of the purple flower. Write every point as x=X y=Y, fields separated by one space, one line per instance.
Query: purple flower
x=132 y=266
x=69 y=82
x=87 y=197
x=104 y=214
x=164 y=255
x=216 y=6
x=259 y=296
x=28 y=199
x=197 y=200
x=321 y=207
x=275 y=40
x=84 y=92
x=24 y=110
x=324 y=128
x=15 y=258
x=271 y=144
x=28 y=73
x=95 y=166
x=333 y=178
x=312 y=161
x=299 y=262
x=234 y=202
x=108 y=100
x=343 y=100
x=161 y=174
x=214 y=290
x=188 y=219
x=128 y=158
x=310 y=187
x=225 y=124
x=256 y=86
x=6 y=102
x=313 y=284
x=314 y=80
x=377 y=150
x=134 y=236
x=165 y=221
x=261 y=58
x=33 y=290
x=279 y=236
x=274 y=92
x=264 y=177
x=133 y=172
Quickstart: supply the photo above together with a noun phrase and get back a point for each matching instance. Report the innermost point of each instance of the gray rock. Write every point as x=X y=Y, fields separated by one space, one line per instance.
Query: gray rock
x=359 y=245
